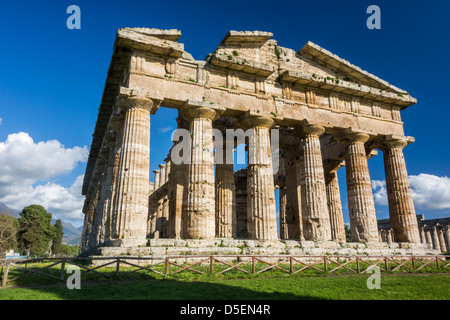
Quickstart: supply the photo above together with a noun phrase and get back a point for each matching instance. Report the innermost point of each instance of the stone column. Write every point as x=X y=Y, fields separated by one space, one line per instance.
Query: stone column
x=334 y=200
x=422 y=235
x=157 y=178
x=428 y=238
x=293 y=194
x=261 y=211
x=163 y=215
x=401 y=206
x=131 y=194
x=447 y=238
x=240 y=183
x=199 y=214
x=284 y=234
x=361 y=206
x=316 y=220
x=435 y=238
x=440 y=232
x=225 y=207
x=162 y=179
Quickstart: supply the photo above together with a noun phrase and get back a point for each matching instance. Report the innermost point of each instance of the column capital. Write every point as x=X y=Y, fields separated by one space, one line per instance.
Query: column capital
x=308 y=129
x=248 y=121
x=127 y=101
x=161 y=166
x=349 y=136
x=394 y=141
x=156 y=171
x=193 y=109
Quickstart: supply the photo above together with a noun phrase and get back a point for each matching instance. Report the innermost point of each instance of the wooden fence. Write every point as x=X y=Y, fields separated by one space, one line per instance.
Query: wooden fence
x=220 y=264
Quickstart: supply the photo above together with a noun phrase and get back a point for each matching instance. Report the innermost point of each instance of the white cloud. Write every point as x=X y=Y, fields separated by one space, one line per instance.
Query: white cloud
x=1 y=120
x=429 y=192
x=165 y=129
x=26 y=167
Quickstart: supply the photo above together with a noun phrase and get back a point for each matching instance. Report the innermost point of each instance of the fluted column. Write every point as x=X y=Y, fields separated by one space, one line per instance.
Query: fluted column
x=428 y=238
x=401 y=206
x=361 y=206
x=334 y=201
x=225 y=205
x=447 y=238
x=440 y=233
x=199 y=202
x=435 y=238
x=422 y=235
x=131 y=195
x=284 y=233
x=316 y=221
x=162 y=179
x=261 y=211
x=157 y=178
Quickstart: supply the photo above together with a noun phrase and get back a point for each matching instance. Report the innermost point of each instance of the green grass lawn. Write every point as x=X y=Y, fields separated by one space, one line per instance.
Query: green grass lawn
x=282 y=287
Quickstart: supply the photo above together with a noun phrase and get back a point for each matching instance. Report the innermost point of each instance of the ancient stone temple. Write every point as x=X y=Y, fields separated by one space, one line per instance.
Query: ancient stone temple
x=325 y=112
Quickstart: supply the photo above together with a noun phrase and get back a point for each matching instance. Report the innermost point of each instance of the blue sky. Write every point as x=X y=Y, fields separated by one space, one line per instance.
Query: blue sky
x=52 y=78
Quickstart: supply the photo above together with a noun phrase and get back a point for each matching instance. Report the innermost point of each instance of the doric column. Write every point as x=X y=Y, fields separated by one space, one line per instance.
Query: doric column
x=361 y=206
x=225 y=207
x=422 y=235
x=131 y=194
x=261 y=211
x=157 y=178
x=162 y=179
x=316 y=220
x=390 y=236
x=440 y=232
x=447 y=238
x=293 y=194
x=240 y=184
x=334 y=200
x=178 y=177
x=401 y=206
x=284 y=234
x=428 y=238
x=435 y=238
x=199 y=214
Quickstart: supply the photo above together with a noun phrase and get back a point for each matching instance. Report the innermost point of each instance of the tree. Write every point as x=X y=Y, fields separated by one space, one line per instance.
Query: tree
x=57 y=238
x=35 y=230
x=8 y=233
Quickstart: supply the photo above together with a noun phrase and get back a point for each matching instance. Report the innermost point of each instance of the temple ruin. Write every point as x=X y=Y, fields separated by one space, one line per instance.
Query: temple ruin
x=328 y=114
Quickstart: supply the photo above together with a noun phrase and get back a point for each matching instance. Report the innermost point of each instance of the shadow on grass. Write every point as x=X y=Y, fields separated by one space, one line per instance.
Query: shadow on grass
x=150 y=289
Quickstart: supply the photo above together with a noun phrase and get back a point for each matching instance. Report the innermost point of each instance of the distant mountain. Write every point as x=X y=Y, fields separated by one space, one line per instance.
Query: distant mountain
x=72 y=234
x=4 y=209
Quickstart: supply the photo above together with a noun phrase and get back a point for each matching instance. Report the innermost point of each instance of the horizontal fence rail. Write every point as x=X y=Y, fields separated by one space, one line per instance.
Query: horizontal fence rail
x=116 y=267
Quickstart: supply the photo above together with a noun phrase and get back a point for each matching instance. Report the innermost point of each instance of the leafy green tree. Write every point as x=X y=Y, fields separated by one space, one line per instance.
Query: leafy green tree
x=69 y=251
x=57 y=238
x=348 y=235
x=35 y=230
x=9 y=227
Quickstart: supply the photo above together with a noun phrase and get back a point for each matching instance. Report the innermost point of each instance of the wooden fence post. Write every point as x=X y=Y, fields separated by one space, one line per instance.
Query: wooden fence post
x=325 y=264
x=5 y=274
x=291 y=266
x=117 y=267
x=211 y=265
x=63 y=264
x=357 y=264
x=167 y=267
x=253 y=264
